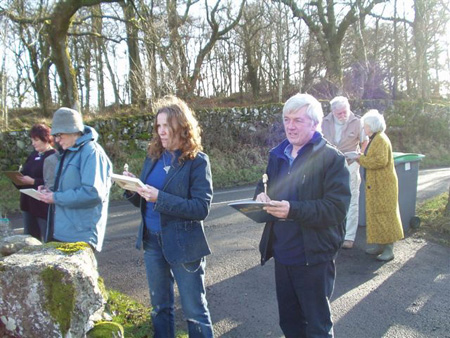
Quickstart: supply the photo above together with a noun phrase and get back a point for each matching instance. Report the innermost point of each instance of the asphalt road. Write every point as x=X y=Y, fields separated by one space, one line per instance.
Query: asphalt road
x=407 y=297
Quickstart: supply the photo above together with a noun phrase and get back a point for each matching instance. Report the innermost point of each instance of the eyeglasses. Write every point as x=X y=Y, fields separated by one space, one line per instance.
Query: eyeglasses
x=57 y=135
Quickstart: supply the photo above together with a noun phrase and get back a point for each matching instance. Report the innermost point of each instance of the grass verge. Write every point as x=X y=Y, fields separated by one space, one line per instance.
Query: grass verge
x=133 y=316
x=435 y=226
x=229 y=168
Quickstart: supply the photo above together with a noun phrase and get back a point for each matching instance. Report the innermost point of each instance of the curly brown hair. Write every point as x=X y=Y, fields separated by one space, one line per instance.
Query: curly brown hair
x=182 y=123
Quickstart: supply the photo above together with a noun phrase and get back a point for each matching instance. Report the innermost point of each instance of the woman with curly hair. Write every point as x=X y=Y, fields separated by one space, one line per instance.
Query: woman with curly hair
x=174 y=202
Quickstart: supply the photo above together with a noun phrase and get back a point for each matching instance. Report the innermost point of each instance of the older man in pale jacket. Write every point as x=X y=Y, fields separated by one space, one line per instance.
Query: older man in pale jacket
x=343 y=129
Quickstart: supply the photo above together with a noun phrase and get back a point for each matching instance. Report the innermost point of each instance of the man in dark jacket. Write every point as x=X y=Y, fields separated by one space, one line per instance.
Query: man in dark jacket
x=308 y=192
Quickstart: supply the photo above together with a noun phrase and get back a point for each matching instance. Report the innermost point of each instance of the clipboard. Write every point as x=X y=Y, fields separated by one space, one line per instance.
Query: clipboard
x=14 y=177
x=127 y=182
x=253 y=210
x=32 y=192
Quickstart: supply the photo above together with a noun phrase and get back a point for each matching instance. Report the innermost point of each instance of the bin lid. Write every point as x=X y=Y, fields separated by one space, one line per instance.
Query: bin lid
x=406 y=157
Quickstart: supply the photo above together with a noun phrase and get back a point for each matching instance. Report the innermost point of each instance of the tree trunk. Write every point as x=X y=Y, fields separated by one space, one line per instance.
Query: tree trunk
x=137 y=89
x=409 y=86
x=3 y=94
x=57 y=29
x=98 y=43
x=40 y=69
x=395 y=67
x=308 y=78
x=252 y=69
x=421 y=50
x=80 y=55
x=280 y=58
x=334 y=67
x=112 y=76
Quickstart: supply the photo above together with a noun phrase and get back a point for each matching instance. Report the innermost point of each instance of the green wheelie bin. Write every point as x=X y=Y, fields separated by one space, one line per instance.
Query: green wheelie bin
x=407 y=169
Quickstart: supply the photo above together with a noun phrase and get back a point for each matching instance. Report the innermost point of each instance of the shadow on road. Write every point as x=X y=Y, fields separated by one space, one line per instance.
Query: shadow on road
x=401 y=298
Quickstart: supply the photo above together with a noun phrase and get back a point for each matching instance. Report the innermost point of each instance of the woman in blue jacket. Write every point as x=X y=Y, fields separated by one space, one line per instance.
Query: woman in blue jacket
x=80 y=197
x=174 y=203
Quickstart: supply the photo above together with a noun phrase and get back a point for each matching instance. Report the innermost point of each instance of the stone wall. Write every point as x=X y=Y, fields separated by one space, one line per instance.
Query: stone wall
x=132 y=132
x=244 y=124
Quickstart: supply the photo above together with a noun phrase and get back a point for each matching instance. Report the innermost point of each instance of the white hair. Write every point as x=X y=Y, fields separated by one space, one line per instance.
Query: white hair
x=339 y=102
x=298 y=101
x=374 y=120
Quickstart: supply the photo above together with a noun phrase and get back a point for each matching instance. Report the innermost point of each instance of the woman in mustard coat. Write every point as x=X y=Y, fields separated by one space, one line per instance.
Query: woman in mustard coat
x=384 y=225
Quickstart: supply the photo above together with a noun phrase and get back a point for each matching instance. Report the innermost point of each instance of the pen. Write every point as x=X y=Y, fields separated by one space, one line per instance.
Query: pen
x=265 y=178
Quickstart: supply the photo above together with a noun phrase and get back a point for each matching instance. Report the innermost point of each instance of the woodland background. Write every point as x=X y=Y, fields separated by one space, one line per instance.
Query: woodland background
x=97 y=55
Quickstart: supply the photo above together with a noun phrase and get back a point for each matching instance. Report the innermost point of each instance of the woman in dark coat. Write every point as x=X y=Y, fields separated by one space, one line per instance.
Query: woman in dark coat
x=174 y=202
x=34 y=211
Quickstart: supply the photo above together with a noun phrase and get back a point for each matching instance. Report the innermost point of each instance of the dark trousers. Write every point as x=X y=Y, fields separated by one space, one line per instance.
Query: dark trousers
x=34 y=226
x=303 y=294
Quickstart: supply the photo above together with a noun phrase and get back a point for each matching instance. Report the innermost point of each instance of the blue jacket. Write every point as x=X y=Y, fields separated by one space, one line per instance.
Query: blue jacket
x=323 y=198
x=183 y=203
x=82 y=195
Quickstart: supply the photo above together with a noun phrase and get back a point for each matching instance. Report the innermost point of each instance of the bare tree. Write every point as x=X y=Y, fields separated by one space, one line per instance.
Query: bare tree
x=186 y=79
x=323 y=23
x=429 y=21
x=57 y=24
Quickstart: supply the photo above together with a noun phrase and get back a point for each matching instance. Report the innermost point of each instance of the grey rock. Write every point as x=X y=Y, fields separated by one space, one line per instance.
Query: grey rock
x=12 y=244
x=45 y=292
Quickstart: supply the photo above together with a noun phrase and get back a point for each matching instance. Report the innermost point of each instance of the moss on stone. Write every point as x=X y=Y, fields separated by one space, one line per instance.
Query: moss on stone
x=106 y=330
x=59 y=297
x=70 y=248
x=102 y=287
x=67 y=248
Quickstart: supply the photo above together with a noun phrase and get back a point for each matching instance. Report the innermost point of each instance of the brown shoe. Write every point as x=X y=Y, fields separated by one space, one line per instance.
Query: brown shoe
x=347 y=244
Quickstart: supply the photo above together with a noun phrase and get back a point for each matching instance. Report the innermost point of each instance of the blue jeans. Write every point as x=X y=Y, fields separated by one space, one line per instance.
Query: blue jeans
x=303 y=294
x=190 y=279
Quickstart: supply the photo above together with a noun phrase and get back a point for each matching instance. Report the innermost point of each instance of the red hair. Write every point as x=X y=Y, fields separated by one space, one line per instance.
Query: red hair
x=41 y=132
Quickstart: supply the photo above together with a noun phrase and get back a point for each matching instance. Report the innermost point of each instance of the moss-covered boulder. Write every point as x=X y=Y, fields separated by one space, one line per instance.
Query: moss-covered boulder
x=50 y=291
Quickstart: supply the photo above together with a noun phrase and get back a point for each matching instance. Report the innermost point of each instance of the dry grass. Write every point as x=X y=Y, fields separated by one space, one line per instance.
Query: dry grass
x=435 y=226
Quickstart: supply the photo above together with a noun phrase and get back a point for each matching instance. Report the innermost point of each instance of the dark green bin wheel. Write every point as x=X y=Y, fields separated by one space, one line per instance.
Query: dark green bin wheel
x=414 y=222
